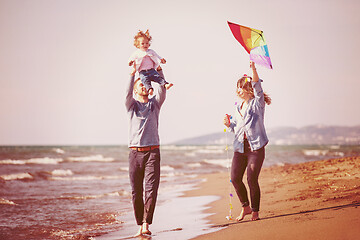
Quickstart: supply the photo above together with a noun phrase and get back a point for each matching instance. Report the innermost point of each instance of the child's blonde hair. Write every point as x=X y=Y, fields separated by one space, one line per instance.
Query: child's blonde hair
x=141 y=34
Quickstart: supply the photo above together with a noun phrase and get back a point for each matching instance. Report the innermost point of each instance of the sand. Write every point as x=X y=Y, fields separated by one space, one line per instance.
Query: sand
x=313 y=200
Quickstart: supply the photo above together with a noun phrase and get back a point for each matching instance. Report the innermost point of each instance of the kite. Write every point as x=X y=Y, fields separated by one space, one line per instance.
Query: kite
x=254 y=43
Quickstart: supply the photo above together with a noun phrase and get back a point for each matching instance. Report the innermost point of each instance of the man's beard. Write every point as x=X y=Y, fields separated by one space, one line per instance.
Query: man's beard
x=144 y=94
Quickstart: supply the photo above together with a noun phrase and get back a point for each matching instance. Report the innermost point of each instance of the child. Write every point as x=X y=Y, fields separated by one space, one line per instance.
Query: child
x=146 y=60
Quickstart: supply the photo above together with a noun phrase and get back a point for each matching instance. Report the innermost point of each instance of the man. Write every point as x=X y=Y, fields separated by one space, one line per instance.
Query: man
x=144 y=156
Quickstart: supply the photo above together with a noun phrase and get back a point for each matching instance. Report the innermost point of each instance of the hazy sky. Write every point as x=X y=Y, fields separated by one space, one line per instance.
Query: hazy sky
x=63 y=65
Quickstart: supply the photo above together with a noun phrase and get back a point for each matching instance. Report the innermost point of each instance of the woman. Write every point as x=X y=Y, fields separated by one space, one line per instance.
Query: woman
x=250 y=141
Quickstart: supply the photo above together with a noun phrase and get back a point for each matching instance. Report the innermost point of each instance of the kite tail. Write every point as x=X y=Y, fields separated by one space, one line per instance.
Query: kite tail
x=229 y=217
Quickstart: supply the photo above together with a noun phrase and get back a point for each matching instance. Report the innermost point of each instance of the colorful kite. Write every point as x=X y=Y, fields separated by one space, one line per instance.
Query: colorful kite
x=254 y=43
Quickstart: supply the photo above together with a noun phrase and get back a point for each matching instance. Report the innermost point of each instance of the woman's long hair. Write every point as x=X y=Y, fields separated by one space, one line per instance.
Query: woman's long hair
x=247 y=87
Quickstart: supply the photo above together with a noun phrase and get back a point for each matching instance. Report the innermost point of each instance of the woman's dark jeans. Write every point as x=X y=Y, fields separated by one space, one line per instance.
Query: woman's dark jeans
x=252 y=160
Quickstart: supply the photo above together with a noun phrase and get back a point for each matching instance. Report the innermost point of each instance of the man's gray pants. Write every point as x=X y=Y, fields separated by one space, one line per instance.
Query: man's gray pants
x=144 y=166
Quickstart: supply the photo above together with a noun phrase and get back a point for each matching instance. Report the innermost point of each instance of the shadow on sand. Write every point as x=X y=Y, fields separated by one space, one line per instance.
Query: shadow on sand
x=354 y=204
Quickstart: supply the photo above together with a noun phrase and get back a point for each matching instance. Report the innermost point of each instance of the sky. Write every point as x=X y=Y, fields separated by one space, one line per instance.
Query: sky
x=64 y=71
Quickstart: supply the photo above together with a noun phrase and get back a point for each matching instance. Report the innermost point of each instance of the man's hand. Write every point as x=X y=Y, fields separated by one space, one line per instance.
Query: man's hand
x=163 y=61
x=133 y=70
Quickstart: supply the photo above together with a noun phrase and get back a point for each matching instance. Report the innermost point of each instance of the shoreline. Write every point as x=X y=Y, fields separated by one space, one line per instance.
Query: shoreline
x=312 y=200
x=171 y=218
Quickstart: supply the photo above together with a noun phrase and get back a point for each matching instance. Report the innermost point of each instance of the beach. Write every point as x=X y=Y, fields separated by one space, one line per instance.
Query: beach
x=312 y=200
x=83 y=192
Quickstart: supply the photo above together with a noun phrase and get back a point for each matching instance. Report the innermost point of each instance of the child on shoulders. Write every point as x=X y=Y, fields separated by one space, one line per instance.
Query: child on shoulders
x=146 y=61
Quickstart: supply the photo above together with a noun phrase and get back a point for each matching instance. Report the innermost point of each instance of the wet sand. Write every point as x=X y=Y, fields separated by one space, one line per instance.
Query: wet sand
x=313 y=200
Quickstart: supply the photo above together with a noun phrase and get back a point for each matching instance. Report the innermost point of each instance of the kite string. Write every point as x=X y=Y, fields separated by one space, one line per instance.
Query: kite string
x=229 y=217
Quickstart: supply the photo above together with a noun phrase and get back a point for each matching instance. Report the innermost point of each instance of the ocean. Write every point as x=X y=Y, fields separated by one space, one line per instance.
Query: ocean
x=83 y=192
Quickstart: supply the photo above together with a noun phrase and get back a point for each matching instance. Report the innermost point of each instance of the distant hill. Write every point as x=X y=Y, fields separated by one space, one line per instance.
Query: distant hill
x=316 y=134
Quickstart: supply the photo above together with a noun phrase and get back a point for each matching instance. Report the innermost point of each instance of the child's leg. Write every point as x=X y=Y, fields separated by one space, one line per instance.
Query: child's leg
x=145 y=78
x=160 y=80
x=156 y=77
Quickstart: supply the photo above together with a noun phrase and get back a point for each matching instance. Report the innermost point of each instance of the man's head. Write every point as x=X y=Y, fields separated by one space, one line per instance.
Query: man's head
x=139 y=89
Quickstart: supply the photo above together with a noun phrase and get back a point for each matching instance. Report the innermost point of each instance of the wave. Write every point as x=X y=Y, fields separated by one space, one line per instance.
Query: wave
x=179 y=147
x=92 y=158
x=56 y=175
x=125 y=169
x=339 y=154
x=45 y=160
x=163 y=168
x=6 y=202
x=86 y=178
x=12 y=162
x=96 y=225
x=180 y=187
x=210 y=151
x=172 y=174
x=16 y=176
x=315 y=152
x=124 y=193
x=167 y=168
x=111 y=194
x=194 y=165
x=318 y=152
x=190 y=154
x=61 y=172
x=219 y=162
x=37 y=175
x=58 y=150
x=191 y=150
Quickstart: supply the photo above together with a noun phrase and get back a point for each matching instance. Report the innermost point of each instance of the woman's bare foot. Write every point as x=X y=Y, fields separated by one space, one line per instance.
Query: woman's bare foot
x=139 y=233
x=255 y=216
x=145 y=229
x=168 y=86
x=245 y=211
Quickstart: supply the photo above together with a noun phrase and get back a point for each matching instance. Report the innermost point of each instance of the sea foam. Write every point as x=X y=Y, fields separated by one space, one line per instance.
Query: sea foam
x=84 y=197
x=6 y=202
x=315 y=152
x=93 y=158
x=220 y=162
x=58 y=150
x=62 y=172
x=86 y=178
x=167 y=168
x=16 y=176
x=45 y=160
x=194 y=165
